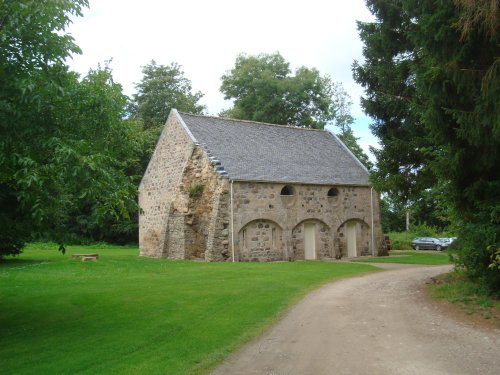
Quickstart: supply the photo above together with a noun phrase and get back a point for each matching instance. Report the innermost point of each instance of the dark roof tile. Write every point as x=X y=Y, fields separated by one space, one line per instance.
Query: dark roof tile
x=264 y=152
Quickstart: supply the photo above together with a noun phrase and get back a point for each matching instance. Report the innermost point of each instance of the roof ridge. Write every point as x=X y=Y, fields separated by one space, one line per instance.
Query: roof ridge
x=253 y=122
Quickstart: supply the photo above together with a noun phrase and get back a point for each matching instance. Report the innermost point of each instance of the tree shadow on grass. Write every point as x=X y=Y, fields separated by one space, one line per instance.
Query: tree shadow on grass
x=11 y=263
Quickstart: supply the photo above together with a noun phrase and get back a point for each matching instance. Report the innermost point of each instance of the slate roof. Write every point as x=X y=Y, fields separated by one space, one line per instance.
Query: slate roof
x=254 y=151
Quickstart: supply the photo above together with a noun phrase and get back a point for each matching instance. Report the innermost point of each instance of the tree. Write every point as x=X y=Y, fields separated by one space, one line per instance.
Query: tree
x=32 y=50
x=264 y=90
x=430 y=78
x=387 y=76
x=61 y=139
x=100 y=194
x=161 y=89
x=351 y=141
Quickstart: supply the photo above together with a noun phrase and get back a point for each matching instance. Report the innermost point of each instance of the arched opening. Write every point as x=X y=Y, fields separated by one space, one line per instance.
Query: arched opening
x=311 y=239
x=353 y=238
x=261 y=241
x=287 y=190
x=333 y=192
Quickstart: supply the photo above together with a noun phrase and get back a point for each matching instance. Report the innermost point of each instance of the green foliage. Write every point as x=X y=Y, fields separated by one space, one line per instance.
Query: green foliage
x=129 y=311
x=263 y=89
x=348 y=138
x=32 y=52
x=195 y=190
x=473 y=297
x=495 y=258
x=402 y=163
x=62 y=140
x=161 y=89
x=392 y=215
x=478 y=243
x=401 y=240
x=431 y=81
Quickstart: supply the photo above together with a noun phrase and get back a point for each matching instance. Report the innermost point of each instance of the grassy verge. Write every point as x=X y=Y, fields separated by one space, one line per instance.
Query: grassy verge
x=469 y=297
x=410 y=257
x=129 y=315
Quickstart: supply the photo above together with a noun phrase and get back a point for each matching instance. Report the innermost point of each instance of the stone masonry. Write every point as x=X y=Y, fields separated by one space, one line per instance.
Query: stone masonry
x=191 y=209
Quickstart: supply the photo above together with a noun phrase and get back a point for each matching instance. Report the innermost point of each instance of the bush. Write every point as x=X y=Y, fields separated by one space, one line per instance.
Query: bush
x=478 y=244
x=402 y=240
x=14 y=231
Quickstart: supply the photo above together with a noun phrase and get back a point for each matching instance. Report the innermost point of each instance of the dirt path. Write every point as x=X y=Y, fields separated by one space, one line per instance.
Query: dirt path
x=374 y=324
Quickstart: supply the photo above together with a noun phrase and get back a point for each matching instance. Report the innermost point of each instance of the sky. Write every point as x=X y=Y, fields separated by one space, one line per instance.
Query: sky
x=205 y=37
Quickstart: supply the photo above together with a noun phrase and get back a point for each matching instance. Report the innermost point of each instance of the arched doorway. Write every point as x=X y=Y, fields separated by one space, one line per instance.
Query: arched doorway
x=311 y=239
x=354 y=238
x=261 y=241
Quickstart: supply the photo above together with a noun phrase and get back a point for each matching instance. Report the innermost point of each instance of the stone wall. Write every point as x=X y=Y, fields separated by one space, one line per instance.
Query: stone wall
x=159 y=186
x=324 y=241
x=363 y=238
x=202 y=196
x=186 y=211
x=261 y=240
x=254 y=202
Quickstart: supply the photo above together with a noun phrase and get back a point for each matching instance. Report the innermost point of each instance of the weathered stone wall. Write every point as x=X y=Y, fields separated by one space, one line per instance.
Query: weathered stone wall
x=218 y=248
x=261 y=241
x=363 y=238
x=202 y=196
x=178 y=222
x=159 y=187
x=254 y=202
x=324 y=241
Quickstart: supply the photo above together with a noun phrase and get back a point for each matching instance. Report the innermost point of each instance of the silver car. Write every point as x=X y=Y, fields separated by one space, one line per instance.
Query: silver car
x=428 y=243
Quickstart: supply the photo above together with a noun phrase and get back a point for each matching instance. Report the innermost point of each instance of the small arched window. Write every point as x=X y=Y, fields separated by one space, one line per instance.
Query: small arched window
x=287 y=190
x=333 y=192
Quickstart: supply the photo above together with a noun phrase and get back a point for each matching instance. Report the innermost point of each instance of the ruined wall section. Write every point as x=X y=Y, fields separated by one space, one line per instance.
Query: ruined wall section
x=218 y=241
x=159 y=187
x=202 y=199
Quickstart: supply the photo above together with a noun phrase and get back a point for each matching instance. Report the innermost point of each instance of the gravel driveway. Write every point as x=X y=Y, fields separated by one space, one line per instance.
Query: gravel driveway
x=374 y=324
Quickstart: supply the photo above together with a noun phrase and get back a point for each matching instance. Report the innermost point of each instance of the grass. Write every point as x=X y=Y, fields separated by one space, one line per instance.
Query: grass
x=411 y=257
x=455 y=288
x=129 y=315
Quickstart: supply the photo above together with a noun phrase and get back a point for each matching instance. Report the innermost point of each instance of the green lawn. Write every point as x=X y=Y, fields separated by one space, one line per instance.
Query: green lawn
x=469 y=296
x=411 y=257
x=129 y=315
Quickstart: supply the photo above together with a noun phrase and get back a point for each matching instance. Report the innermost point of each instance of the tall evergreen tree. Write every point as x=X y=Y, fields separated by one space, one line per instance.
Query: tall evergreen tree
x=431 y=81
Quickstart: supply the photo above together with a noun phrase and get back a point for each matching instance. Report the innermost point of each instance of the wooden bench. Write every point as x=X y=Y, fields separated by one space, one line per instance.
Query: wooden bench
x=86 y=257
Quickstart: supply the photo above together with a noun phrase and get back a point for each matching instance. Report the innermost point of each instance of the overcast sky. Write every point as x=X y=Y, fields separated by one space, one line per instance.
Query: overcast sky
x=206 y=36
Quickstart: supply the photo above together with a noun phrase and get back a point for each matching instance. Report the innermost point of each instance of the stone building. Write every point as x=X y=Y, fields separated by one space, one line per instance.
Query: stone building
x=231 y=190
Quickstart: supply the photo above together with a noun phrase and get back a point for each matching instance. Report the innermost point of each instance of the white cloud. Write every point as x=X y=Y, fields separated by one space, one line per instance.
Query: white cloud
x=206 y=36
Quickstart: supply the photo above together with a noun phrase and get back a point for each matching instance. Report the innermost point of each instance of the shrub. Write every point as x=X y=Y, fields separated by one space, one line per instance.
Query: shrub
x=402 y=240
x=195 y=190
x=478 y=244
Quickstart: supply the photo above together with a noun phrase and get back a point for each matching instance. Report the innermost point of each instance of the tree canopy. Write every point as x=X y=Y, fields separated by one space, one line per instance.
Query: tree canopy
x=264 y=89
x=62 y=139
x=431 y=82
x=161 y=89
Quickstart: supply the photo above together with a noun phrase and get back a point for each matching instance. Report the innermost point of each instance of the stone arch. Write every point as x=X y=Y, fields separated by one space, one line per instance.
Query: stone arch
x=353 y=238
x=333 y=192
x=287 y=190
x=261 y=240
x=321 y=236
